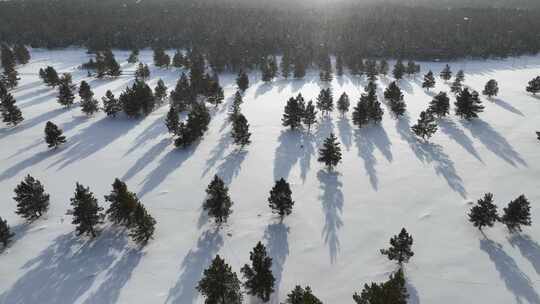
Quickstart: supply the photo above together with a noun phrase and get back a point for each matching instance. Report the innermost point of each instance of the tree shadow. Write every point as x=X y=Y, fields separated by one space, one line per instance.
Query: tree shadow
x=156 y=128
x=32 y=122
x=65 y=270
x=25 y=164
x=345 y=132
x=449 y=128
x=494 y=141
x=193 y=266
x=367 y=139
x=414 y=298
x=508 y=107
x=515 y=280
x=262 y=89
x=287 y=153
x=332 y=203
x=147 y=158
x=231 y=165
x=277 y=243
x=35 y=98
x=218 y=152
x=529 y=248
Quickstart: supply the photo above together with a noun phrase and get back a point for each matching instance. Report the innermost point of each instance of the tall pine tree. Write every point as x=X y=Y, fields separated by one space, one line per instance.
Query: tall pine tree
x=259 y=278
x=218 y=203
x=517 y=214
x=468 y=104
x=5 y=232
x=330 y=152
x=400 y=247
x=440 y=105
x=32 y=200
x=53 y=135
x=484 y=213
x=87 y=214
x=11 y=114
x=219 y=284
x=426 y=125
x=280 y=200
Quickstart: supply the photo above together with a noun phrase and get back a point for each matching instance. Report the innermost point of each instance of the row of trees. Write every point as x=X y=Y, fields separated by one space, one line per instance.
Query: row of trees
x=484 y=213
x=9 y=58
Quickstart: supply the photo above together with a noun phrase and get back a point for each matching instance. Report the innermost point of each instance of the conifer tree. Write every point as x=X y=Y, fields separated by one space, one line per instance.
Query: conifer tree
x=218 y=203
x=90 y=106
x=468 y=105
x=178 y=59
x=393 y=291
x=219 y=284
x=460 y=76
x=7 y=57
x=371 y=70
x=412 y=68
x=285 y=65
x=32 y=200
x=133 y=56
x=122 y=204
x=10 y=77
x=172 y=121
x=484 y=213
x=216 y=94
x=383 y=67
x=49 y=76
x=310 y=115
x=181 y=95
x=87 y=214
x=299 y=68
x=142 y=72
x=330 y=152
x=22 y=55
x=400 y=247
x=53 y=135
x=440 y=105
x=517 y=214
x=446 y=73
x=11 y=114
x=360 y=115
x=85 y=92
x=534 y=86
x=300 y=295
x=111 y=104
x=240 y=131
x=280 y=200
x=161 y=59
x=491 y=89
x=195 y=126
x=160 y=92
x=235 y=107
x=429 y=81
x=343 y=103
x=395 y=97
x=65 y=91
x=3 y=90
x=339 y=65
x=293 y=114
x=143 y=226
x=368 y=108
x=456 y=86
x=5 y=232
x=259 y=278
x=273 y=67
x=325 y=101
x=111 y=65
x=242 y=81
x=399 y=70
x=426 y=125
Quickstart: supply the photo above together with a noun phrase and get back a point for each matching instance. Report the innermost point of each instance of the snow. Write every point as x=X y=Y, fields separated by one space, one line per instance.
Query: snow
x=387 y=180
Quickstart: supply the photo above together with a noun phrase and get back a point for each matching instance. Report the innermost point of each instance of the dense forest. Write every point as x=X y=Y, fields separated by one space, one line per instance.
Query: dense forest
x=233 y=36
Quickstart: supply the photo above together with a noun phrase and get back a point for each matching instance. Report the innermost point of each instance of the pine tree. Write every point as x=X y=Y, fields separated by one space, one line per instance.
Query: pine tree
x=133 y=56
x=235 y=107
x=160 y=92
x=300 y=295
x=172 y=121
x=53 y=135
x=446 y=73
x=181 y=95
x=87 y=214
x=429 y=81
x=216 y=94
x=383 y=67
x=371 y=70
x=218 y=203
x=460 y=76
x=339 y=65
x=293 y=114
x=111 y=65
x=7 y=57
x=10 y=77
x=360 y=115
x=517 y=214
x=468 y=105
x=240 y=131
x=392 y=291
x=440 y=105
x=259 y=278
x=242 y=81
x=111 y=104
x=343 y=103
x=534 y=86
x=22 y=55
x=161 y=59
x=412 y=68
x=484 y=213
x=273 y=67
x=285 y=65
x=325 y=101
x=143 y=226
x=178 y=59
x=330 y=152
x=426 y=125
x=456 y=86
x=219 y=284
x=89 y=107
x=122 y=204
x=310 y=115
x=400 y=247
x=5 y=232
x=491 y=89
x=395 y=97
x=399 y=70
x=280 y=200
x=142 y=72
x=299 y=68
x=11 y=114
x=3 y=90
x=65 y=91
x=32 y=200
x=85 y=92
x=195 y=126
x=368 y=108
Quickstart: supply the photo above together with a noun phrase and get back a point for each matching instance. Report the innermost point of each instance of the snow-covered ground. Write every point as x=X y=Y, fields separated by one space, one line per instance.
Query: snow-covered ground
x=387 y=180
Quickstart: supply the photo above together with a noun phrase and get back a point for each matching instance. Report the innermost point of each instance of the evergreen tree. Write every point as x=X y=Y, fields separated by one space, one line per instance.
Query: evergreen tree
x=285 y=65
x=426 y=125
x=299 y=68
x=172 y=121
x=111 y=104
x=122 y=204
x=133 y=56
x=517 y=214
x=400 y=247
x=143 y=226
x=32 y=200
x=181 y=95
x=178 y=59
x=49 y=76
x=399 y=70
x=412 y=68
x=429 y=81
x=259 y=278
x=383 y=67
x=534 y=86
x=85 y=92
x=371 y=70
x=339 y=65
x=137 y=100
x=330 y=152
x=460 y=76
x=22 y=55
x=197 y=123
x=280 y=200
x=5 y=232
x=392 y=291
x=240 y=131
x=273 y=67
x=87 y=214
x=456 y=86
x=219 y=284
x=484 y=213
x=216 y=94
x=440 y=105
x=11 y=114
x=53 y=135
x=112 y=66
x=395 y=97
x=142 y=72
x=160 y=92
x=3 y=90
x=7 y=57
x=242 y=81
x=310 y=115
x=266 y=74
x=10 y=77
x=293 y=114
x=89 y=107
x=325 y=101
x=161 y=59
x=446 y=73
x=235 y=107
x=343 y=103
x=65 y=91
x=218 y=203
x=360 y=115
x=368 y=108
x=300 y=295
x=491 y=89
x=468 y=105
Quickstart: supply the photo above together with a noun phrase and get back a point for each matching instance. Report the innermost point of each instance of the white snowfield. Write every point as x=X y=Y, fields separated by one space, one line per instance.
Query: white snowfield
x=387 y=180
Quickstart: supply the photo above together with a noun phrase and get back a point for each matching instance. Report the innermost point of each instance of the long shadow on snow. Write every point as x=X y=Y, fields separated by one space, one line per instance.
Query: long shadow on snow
x=27 y=163
x=147 y=158
x=277 y=243
x=529 y=248
x=218 y=152
x=192 y=267
x=32 y=122
x=449 y=128
x=332 y=204
x=231 y=165
x=515 y=280
x=367 y=139
x=294 y=146
x=505 y=105
x=345 y=132
x=156 y=128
